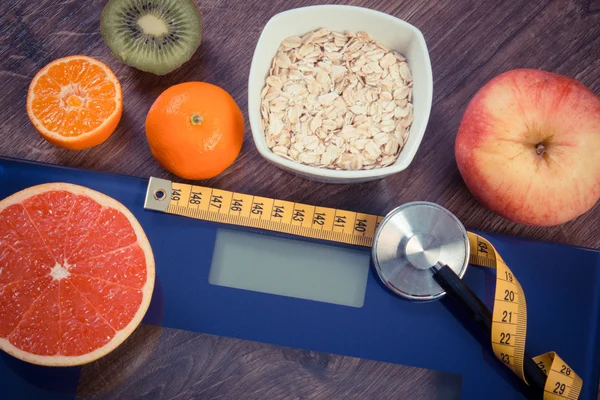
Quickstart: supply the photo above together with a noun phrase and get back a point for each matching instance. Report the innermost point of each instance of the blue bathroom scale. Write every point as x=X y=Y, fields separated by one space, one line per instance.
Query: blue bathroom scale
x=239 y=313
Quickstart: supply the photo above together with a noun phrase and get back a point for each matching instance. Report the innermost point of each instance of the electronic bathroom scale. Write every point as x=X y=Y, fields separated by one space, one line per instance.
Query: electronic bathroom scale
x=242 y=312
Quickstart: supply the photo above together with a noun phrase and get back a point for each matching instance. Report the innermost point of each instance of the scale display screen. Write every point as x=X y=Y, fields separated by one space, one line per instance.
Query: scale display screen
x=287 y=267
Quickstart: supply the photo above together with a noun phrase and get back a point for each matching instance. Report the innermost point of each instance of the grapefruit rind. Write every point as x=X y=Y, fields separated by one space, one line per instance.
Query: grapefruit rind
x=147 y=289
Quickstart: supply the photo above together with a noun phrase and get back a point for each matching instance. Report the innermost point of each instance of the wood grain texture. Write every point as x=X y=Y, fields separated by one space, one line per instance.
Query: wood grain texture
x=162 y=363
x=469 y=41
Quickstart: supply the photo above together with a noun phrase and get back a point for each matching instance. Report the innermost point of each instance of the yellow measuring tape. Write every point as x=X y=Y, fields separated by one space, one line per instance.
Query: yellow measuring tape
x=509 y=318
x=509 y=326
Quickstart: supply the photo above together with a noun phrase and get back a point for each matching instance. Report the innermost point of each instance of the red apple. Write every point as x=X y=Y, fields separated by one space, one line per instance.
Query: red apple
x=528 y=147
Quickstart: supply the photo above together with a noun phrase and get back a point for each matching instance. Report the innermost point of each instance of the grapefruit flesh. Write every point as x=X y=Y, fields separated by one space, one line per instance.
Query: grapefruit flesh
x=76 y=274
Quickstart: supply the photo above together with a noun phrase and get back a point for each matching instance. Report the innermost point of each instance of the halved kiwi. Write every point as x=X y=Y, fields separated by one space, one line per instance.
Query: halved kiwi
x=155 y=36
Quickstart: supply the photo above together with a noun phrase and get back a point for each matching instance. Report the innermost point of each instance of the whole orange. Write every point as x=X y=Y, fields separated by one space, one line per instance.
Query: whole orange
x=195 y=130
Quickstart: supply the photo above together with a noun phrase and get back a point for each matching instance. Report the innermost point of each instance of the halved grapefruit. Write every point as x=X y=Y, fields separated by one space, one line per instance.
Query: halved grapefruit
x=76 y=274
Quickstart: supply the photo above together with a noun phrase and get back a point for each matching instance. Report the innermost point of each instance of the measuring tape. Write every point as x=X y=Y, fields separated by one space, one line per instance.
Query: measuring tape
x=509 y=318
x=509 y=326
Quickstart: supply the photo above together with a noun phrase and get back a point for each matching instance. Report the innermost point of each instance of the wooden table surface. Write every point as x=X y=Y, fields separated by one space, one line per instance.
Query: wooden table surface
x=469 y=42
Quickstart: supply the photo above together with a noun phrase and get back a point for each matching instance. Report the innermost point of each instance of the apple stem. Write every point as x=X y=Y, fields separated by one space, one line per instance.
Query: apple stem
x=540 y=149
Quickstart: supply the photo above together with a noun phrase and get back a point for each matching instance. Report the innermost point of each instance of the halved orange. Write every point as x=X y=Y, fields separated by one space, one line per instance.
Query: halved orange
x=75 y=102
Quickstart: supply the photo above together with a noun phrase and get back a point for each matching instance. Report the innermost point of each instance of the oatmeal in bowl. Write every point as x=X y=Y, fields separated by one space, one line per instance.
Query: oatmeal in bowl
x=337 y=100
x=339 y=94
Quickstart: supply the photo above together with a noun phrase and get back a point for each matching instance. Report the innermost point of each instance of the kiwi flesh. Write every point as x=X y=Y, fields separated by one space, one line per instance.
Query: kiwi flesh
x=156 y=36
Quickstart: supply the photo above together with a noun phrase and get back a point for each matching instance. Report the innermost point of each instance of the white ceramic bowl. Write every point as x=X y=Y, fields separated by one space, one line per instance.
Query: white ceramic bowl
x=389 y=31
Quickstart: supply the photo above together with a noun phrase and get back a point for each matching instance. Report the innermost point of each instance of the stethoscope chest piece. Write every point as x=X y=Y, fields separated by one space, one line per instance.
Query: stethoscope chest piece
x=410 y=240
